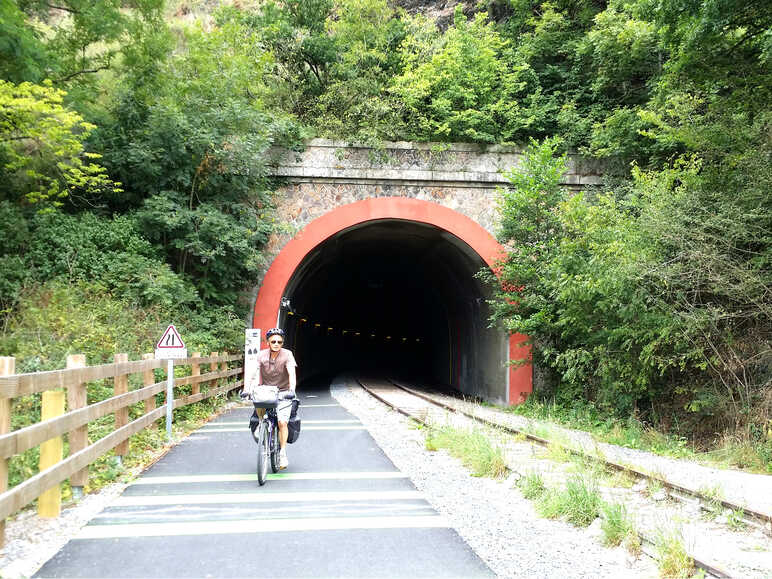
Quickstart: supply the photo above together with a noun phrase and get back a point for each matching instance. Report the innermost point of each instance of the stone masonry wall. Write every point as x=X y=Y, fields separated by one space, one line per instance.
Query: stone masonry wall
x=460 y=176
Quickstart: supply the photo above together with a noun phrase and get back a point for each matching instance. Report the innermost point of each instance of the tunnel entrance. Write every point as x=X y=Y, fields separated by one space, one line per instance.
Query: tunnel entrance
x=397 y=298
x=387 y=286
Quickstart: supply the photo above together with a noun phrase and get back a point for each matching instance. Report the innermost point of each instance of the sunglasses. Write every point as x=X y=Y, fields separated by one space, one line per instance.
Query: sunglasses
x=276 y=342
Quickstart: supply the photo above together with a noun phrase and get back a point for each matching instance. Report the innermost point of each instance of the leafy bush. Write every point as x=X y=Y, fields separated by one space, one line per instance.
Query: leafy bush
x=605 y=286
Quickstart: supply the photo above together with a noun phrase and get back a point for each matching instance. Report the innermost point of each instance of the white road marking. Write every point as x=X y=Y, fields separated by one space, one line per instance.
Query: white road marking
x=213 y=425
x=204 y=478
x=244 y=428
x=208 y=499
x=259 y=526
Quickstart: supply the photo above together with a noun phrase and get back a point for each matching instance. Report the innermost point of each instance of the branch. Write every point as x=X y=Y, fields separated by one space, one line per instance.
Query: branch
x=84 y=71
x=62 y=8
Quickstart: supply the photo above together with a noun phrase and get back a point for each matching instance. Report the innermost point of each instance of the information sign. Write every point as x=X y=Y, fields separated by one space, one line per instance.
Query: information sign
x=251 y=349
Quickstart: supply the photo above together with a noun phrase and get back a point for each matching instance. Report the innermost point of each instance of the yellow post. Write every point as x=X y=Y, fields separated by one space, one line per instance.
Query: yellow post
x=195 y=370
x=50 y=502
x=7 y=368
x=121 y=386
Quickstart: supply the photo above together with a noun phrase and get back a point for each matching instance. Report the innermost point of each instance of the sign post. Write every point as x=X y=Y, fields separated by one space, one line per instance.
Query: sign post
x=170 y=347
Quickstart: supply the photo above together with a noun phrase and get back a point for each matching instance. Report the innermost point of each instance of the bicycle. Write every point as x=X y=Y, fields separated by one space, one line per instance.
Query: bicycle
x=266 y=434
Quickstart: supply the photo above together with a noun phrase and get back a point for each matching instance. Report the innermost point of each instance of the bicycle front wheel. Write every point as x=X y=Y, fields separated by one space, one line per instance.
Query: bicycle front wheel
x=262 y=452
x=275 y=448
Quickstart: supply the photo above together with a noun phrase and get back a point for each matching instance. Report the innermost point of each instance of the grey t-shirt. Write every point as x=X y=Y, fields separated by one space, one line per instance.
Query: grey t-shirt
x=274 y=372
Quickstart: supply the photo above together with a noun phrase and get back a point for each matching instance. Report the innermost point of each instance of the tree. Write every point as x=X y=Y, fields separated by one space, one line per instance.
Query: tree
x=466 y=89
x=193 y=144
x=22 y=52
x=85 y=36
x=43 y=160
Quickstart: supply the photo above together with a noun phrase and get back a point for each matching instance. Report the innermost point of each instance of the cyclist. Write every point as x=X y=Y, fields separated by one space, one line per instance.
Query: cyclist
x=276 y=367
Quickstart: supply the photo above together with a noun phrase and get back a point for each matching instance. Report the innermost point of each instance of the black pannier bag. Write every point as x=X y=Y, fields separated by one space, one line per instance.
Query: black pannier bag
x=293 y=426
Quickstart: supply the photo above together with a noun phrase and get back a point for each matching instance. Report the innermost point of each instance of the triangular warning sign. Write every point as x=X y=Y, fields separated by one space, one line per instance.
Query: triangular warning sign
x=170 y=340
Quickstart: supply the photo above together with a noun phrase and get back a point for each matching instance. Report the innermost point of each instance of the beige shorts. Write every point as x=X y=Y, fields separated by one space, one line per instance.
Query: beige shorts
x=283 y=410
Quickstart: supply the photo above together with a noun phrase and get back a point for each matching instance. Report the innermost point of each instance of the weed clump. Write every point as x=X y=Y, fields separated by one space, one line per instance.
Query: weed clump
x=473 y=449
x=617 y=525
x=532 y=485
x=579 y=502
x=673 y=559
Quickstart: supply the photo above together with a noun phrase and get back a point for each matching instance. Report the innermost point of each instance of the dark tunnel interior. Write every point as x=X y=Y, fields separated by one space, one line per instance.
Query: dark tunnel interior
x=394 y=298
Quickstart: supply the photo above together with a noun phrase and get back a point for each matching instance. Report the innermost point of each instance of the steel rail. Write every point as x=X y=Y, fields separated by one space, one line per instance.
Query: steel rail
x=709 y=568
x=755 y=516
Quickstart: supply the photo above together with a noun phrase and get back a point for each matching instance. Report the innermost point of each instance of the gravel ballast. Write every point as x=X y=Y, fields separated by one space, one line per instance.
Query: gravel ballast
x=492 y=517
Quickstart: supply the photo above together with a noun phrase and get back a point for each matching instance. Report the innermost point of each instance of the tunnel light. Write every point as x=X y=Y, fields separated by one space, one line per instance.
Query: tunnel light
x=317 y=325
x=303 y=319
x=418 y=339
x=404 y=339
x=372 y=335
x=388 y=337
x=329 y=328
x=357 y=333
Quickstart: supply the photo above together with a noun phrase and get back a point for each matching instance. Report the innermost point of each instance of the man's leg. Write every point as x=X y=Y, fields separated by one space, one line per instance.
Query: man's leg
x=283 y=434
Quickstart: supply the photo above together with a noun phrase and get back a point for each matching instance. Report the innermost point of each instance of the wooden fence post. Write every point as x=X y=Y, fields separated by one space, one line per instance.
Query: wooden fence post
x=224 y=367
x=50 y=502
x=121 y=386
x=195 y=370
x=78 y=437
x=213 y=367
x=148 y=378
x=7 y=368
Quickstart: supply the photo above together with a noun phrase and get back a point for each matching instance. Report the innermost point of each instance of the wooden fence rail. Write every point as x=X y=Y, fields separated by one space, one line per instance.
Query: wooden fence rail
x=75 y=421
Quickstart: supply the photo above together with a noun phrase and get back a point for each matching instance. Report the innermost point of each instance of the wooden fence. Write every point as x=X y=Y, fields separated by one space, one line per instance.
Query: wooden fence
x=74 y=423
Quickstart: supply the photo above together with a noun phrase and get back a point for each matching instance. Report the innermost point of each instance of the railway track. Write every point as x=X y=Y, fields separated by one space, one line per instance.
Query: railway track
x=429 y=410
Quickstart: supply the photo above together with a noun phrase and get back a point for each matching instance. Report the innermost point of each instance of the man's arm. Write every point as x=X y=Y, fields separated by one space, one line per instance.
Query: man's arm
x=292 y=377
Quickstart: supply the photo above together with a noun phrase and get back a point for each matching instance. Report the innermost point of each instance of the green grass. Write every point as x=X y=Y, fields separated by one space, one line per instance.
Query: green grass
x=713 y=496
x=532 y=485
x=578 y=502
x=616 y=524
x=472 y=447
x=673 y=560
x=735 y=520
x=558 y=452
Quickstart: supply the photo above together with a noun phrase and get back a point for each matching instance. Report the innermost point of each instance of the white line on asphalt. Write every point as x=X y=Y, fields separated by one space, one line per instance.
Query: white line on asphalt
x=266 y=497
x=212 y=425
x=259 y=526
x=305 y=428
x=204 y=478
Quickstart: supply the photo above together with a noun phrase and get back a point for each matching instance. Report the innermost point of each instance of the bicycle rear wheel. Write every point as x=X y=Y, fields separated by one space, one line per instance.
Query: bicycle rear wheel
x=262 y=452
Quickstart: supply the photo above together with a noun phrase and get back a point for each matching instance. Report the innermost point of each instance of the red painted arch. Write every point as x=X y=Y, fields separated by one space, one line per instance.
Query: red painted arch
x=284 y=265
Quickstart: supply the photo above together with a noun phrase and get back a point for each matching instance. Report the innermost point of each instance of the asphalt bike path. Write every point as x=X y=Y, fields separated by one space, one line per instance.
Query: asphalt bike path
x=341 y=509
